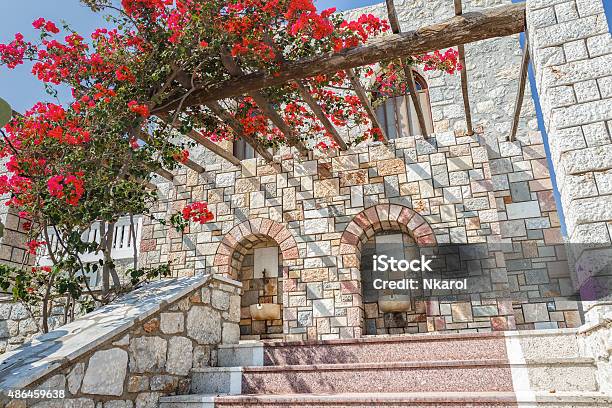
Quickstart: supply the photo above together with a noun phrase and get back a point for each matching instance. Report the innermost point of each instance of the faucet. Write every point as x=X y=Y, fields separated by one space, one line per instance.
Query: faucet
x=263 y=273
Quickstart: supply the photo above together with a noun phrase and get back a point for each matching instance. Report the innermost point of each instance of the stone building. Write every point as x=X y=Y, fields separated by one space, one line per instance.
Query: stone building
x=297 y=232
x=289 y=255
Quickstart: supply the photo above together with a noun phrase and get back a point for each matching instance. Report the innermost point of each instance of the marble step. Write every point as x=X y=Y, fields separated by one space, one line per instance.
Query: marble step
x=465 y=375
x=418 y=347
x=531 y=345
x=440 y=376
x=468 y=346
x=392 y=400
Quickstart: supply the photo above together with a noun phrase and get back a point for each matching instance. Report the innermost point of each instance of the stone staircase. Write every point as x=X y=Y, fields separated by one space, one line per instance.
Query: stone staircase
x=512 y=369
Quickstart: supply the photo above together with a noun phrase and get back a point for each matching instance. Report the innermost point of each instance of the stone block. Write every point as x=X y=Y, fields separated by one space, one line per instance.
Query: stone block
x=343 y=163
x=75 y=377
x=106 y=372
x=459 y=163
x=204 y=325
x=390 y=167
x=535 y=312
x=418 y=172
x=231 y=333
x=225 y=179
x=246 y=185
x=462 y=312
x=326 y=188
x=353 y=178
x=323 y=307
x=147 y=354
x=525 y=209
x=220 y=299
x=316 y=226
x=180 y=356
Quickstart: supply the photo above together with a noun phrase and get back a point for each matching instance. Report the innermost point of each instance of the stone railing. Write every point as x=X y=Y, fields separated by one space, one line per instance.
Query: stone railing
x=136 y=349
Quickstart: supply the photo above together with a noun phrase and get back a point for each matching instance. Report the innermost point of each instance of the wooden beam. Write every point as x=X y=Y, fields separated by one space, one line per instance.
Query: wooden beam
x=236 y=127
x=266 y=107
x=395 y=26
x=521 y=89
x=464 y=77
x=365 y=101
x=165 y=174
x=318 y=111
x=202 y=140
x=470 y=27
x=194 y=166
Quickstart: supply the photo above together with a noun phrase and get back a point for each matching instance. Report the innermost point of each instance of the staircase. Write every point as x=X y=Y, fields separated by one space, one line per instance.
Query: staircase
x=485 y=370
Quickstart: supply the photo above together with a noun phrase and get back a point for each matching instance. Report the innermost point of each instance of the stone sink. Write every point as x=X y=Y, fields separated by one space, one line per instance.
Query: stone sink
x=394 y=303
x=265 y=311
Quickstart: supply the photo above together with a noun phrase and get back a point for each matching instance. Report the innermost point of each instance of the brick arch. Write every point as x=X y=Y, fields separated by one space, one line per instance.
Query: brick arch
x=242 y=237
x=378 y=218
x=384 y=217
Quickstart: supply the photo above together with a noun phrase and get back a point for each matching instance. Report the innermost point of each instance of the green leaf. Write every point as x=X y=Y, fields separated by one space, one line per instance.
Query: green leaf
x=6 y=113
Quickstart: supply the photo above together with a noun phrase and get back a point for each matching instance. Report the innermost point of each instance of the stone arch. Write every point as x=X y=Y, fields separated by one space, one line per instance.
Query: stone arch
x=375 y=219
x=384 y=217
x=244 y=236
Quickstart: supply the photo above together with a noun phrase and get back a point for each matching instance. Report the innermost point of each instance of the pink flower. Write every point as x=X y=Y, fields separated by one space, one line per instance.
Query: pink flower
x=38 y=23
x=50 y=27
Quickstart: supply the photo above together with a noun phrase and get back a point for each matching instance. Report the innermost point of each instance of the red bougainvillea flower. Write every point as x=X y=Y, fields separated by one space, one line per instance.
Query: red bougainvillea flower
x=33 y=246
x=197 y=212
x=181 y=156
x=68 y=187
x=140 y=109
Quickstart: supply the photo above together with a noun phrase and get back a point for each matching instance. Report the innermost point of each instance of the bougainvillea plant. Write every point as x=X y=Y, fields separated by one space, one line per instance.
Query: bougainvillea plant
x=83 y=161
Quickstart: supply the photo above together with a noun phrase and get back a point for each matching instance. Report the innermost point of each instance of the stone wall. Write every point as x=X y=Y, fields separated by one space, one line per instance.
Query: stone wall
x=16 y=324
x=132 y=351
x=572 y=55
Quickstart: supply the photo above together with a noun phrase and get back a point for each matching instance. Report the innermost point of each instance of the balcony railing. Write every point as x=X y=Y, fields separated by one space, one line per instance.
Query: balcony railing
x=123 y=244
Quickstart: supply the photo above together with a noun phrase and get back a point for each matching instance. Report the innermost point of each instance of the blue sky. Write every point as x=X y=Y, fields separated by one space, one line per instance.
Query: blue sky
x=22 y=90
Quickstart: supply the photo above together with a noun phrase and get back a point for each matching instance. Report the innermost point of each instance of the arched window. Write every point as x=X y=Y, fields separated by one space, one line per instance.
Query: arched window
x=397 y=114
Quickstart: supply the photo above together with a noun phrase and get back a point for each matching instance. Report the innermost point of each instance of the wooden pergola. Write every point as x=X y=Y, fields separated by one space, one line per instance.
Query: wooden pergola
x=463 y=28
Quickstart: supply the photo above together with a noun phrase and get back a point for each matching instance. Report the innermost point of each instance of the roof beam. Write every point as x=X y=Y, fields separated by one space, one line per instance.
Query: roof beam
x=521 y=89
x=464 y=78
x=469 y=27
x=318 y=111
x=395 y=27
x=202 y=140
x=365 y=101
x=266 y=107
x=236 y=127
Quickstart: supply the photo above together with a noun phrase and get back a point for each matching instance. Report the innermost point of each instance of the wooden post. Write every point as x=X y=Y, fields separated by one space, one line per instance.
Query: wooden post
x=464 y=78
x=521 y=89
